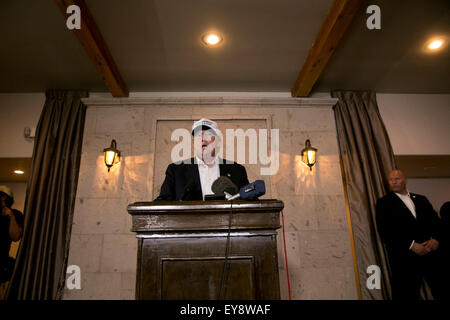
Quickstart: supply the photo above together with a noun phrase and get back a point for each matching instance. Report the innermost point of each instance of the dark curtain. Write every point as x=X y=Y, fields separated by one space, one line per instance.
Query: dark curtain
x=367 y=158
x=41 y=262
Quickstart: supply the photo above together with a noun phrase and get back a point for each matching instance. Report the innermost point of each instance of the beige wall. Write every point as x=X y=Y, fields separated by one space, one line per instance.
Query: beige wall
x=316 y=224
x=417 y=124
x=18 y=111
x=314 y=215
x=436 y=190
x=318 y=240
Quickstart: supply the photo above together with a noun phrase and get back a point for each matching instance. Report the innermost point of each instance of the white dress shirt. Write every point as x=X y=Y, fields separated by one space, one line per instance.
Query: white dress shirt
x=208 y=174
x=406 y=198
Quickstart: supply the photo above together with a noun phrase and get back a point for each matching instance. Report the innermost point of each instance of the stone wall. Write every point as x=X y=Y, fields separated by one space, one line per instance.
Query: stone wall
x=317 y=236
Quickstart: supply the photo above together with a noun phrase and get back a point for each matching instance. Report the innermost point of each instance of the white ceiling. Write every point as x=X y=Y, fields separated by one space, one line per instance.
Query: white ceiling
x=156 y=46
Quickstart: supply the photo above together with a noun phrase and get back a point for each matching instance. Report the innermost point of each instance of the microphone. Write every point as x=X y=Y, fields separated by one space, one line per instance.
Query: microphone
x=223 y=185
x=251 y=191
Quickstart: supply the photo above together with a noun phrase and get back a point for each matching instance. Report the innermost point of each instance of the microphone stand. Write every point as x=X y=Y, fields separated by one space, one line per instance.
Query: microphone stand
x=226 y=266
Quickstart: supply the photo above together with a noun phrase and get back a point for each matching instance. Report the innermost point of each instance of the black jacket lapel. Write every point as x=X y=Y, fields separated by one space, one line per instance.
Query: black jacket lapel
x=402 y=206
x=192 y=175
x=223 y=170
x=226 y=171
x=417 y=205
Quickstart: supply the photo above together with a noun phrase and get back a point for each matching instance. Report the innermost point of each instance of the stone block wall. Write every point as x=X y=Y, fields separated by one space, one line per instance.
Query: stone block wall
x=317 y=235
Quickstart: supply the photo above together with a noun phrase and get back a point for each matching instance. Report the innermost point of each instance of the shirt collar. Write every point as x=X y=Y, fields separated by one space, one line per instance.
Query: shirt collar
x=403 y=195
x=203 y=164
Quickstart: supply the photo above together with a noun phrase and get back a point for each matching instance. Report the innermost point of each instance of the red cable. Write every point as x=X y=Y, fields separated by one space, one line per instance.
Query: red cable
x=285 y=257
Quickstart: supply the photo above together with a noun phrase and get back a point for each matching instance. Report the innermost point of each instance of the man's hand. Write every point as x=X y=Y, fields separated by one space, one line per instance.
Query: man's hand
x=431 y=245
x=419 y=249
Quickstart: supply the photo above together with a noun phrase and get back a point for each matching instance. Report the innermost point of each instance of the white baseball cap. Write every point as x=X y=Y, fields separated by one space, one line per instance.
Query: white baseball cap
x=205 y=124
x=6 y=190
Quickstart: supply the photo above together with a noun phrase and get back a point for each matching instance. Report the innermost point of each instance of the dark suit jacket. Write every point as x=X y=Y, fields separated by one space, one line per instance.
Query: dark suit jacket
x=182 y=181
x=398 y=227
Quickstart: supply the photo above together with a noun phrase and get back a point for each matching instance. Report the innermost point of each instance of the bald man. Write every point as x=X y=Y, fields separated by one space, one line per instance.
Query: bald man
x=412 y=232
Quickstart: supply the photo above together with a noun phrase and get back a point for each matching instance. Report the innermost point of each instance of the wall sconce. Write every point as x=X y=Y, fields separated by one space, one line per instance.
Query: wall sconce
x=112 y=155
x=309 y=155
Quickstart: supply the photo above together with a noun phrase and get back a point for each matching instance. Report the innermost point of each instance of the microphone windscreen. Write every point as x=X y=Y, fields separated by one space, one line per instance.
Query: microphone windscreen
x=253 y=190
x=224 y=184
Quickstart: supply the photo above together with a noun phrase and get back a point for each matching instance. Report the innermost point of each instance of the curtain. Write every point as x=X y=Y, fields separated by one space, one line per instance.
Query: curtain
x=41 y=260
x=367 y=158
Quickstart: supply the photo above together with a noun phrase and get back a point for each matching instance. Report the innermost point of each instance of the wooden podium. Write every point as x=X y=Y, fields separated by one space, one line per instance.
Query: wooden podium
x=182 y=249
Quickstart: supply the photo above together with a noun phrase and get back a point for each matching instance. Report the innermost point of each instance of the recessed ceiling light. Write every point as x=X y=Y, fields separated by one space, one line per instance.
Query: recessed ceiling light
x=436 y=44
x=212 y=39
x=19 y=172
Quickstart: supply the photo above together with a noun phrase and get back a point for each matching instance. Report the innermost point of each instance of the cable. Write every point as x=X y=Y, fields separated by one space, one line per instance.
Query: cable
x=285 y=257
x=227 y=253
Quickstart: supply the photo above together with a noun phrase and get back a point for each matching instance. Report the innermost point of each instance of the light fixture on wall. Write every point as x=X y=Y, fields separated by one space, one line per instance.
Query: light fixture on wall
x=112 y=155
x=309 y=155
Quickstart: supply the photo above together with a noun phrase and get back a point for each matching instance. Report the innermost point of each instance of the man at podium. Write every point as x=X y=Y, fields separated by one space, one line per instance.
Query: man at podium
x=192 y=178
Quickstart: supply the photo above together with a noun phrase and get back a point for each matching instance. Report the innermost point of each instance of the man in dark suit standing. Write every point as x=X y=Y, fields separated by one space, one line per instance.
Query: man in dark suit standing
x=192 y=178
x=445 y=217
x=412 y=232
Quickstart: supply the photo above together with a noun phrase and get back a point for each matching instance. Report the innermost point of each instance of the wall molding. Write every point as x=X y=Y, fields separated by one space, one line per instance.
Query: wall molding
x=151 y=100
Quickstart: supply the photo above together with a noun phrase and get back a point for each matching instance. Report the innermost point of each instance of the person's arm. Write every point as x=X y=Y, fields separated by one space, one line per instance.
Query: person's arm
x=15 y=230
x=391 y=234
x=168 y=187
x=431 y=245
x=382 y=224
x=435 y=225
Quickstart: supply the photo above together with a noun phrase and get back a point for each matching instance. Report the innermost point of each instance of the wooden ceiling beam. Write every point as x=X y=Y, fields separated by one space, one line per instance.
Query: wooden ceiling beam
x=90 y=37
x=333 y=28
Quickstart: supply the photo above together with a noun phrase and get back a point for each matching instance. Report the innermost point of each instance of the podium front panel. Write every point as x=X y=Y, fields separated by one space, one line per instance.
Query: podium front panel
x=189 y=262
